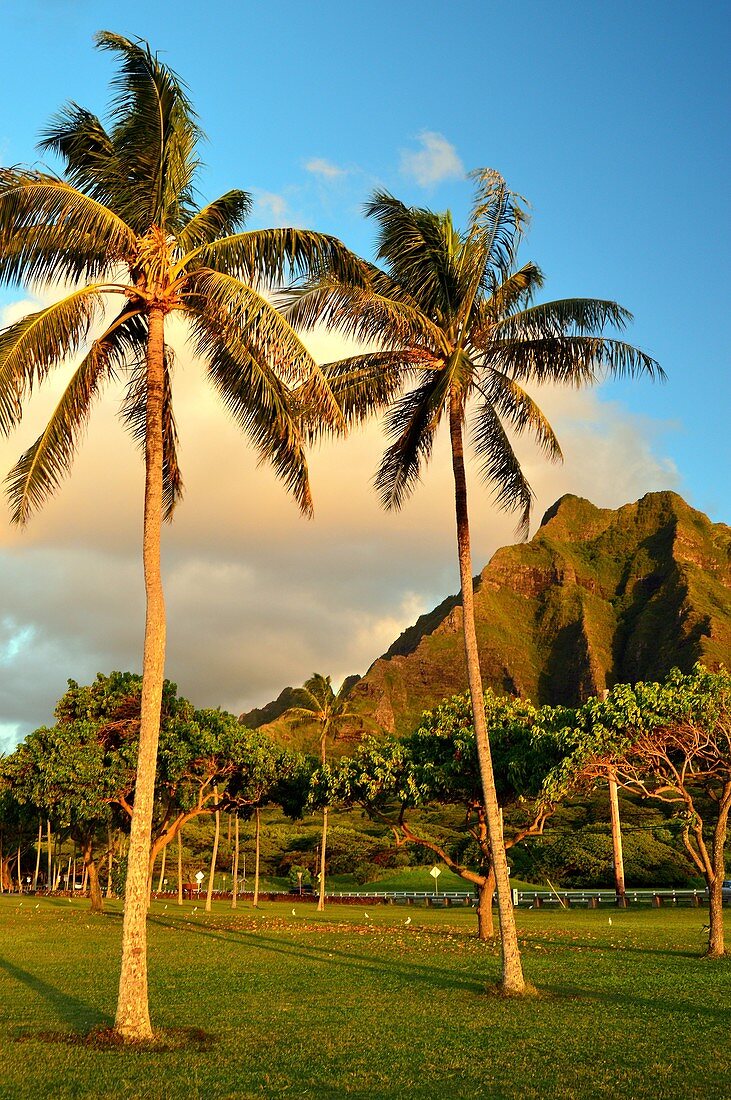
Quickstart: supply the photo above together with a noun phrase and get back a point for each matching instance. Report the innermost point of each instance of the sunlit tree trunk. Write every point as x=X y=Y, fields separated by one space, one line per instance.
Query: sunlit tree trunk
x=257 y=853
x=617 y=854
x=20 y=877
x=180 y=865
x=161 y=879
x=95 y=890
x=49 y=881
x=133 y=1013
x=485 y=922
x=38 y=855
x=716 y=939
x=513 y=981
x=235 y=867
x=214 y=855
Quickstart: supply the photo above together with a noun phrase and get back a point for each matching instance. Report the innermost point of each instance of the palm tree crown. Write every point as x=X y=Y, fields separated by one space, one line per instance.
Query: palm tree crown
x=451 y=312
x=121 y=224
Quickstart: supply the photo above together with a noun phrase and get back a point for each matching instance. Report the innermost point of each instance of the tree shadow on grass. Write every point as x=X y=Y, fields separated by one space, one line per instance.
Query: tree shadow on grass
x=431 y=975
x=71 y=1010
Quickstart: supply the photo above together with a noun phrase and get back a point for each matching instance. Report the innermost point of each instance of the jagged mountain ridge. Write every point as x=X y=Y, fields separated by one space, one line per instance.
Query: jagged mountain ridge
x=598 y=596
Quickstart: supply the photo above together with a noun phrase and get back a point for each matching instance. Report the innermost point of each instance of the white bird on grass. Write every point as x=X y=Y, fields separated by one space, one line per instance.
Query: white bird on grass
x=610 y=920
x=366 y=915
x=407 y=921
x=293 y=913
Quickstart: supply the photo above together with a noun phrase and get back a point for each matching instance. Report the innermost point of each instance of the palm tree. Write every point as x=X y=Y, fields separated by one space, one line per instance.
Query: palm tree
x=453 y=319
x=121 y=225
x=322 y=706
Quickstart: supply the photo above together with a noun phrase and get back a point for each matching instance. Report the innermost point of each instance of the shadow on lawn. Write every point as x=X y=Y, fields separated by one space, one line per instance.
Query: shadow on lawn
x=70 y=1009
x=432 y=975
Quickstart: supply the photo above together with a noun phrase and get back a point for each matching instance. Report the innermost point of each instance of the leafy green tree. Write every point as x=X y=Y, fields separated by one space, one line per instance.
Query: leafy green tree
x=329 y=710
x=670 y=742
x=452 y=316
x=438 y=764
x=121 y=225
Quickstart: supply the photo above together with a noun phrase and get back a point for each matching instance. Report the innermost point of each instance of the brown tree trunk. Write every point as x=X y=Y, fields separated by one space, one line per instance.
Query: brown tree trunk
x=49 y=883
x=95 y=890
x=716 y=940
x=321 y=895
x=235 y=867
x=161 y=879
x=38 y=856
x=133 y=1012
x=485 y=922
x=257 y=854
x=20 y=876
x=180 y=865
x=214 y=855
x=617 y=855
x=513 y=981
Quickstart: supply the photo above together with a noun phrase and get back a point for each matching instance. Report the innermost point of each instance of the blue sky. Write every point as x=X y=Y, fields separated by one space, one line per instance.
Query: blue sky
x=611 y=118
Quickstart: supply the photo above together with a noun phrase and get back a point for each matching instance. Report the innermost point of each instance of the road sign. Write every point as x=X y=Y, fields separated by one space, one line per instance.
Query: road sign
x=199 y=876
x=435 y=872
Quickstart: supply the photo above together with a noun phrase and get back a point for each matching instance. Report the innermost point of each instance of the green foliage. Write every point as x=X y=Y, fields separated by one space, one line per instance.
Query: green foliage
x=297 y=870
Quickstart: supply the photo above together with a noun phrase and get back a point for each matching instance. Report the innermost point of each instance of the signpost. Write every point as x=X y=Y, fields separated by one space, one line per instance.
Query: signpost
x=435 y=873
x=199 y=876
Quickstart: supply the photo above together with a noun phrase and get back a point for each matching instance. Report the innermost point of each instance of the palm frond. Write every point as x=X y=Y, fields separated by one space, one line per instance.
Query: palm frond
x=497 y=223
x=32 y=346
x=366 y=384
x=412 y=424
x=421 y=253
x=570 y=360
x=134 y=417
x=263 y=257
x=361 y=313
x=518 y=408
x=514 y=291
x=92 y=164
x=42 y=217
x=260 y=403
x=39 y=471
x=499 y=465
x=567 y=316
x=155 y=133
x=219 y=218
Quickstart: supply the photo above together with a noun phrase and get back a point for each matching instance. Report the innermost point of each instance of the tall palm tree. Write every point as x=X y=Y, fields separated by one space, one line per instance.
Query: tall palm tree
x=121 y=225
x=457 y=336
x=329 y=710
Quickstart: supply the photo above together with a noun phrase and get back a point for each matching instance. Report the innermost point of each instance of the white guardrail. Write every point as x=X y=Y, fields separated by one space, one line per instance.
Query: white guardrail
x=660 y=895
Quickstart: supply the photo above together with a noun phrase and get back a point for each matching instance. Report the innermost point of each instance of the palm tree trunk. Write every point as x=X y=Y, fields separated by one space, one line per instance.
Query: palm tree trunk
x=133 y=1012
x=235 y=867
x=321 y=896
x=180 y=865
x=257 y=853
x=20 y=877
x=214 y=855
x=513 y=981
x=38 y=856
x=49 y=884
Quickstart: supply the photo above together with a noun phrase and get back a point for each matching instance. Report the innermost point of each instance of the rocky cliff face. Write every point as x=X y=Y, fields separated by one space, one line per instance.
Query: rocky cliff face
x=598 y=596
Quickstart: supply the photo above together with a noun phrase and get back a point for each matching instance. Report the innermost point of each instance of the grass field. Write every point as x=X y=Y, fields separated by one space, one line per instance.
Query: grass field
x=342 y=1004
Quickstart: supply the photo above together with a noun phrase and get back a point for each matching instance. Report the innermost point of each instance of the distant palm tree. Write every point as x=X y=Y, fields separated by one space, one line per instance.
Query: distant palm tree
x=451 y=313
x=121 y=225
x=329 y=711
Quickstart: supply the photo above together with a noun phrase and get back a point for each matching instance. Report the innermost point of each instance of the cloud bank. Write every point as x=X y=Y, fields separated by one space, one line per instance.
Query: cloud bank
x=435 y=161
x=258 y=597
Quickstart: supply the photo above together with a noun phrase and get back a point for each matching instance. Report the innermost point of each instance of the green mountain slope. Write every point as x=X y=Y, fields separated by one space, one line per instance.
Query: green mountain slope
x=596 y=597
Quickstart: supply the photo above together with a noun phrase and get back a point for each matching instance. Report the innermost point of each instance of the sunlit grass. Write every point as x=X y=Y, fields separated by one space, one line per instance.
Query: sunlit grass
x=344 y=1004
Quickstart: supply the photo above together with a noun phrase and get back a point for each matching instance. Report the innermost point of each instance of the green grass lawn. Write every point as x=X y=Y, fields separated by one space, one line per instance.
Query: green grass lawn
x=340 y=1004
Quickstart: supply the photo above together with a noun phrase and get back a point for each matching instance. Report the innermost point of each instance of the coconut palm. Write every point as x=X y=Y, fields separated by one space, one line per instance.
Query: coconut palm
x=329 y=711
x=121 y=231
x=453 y=336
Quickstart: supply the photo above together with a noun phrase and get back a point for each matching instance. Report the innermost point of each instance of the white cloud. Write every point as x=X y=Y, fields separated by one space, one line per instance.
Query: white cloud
x=321 y=167
x=273 y=205
x=436 y=160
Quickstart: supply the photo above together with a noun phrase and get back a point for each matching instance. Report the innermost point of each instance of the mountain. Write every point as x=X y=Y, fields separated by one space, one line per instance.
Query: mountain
x=598 y=596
